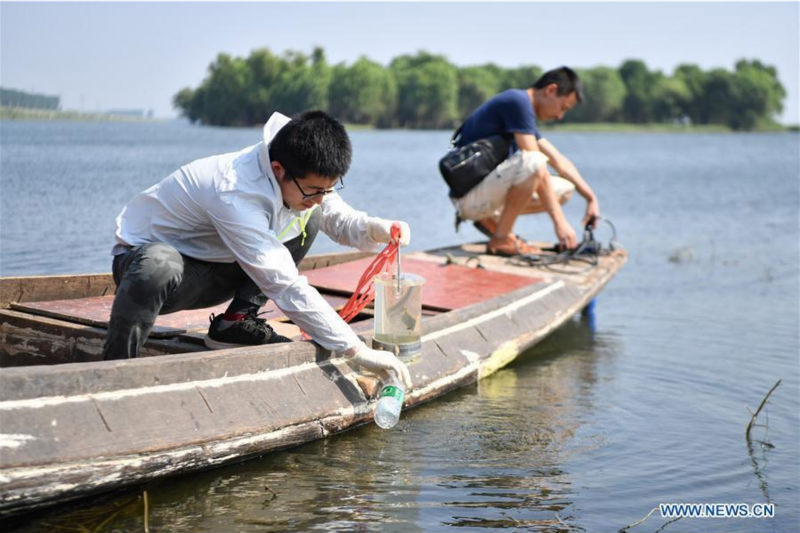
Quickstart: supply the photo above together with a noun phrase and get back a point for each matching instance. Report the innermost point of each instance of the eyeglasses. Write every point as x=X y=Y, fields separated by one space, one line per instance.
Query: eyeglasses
x=339 y=186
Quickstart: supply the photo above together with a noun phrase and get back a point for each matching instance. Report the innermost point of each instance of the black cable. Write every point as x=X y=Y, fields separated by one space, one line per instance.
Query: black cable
x=612 y=244
x=588 y=251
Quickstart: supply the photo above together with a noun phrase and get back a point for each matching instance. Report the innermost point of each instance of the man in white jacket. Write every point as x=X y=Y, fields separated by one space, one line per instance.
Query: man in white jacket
x=235 y=226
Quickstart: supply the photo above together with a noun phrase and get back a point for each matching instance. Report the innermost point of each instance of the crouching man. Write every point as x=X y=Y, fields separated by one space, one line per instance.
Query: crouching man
x=522 y=184
x=235 y=226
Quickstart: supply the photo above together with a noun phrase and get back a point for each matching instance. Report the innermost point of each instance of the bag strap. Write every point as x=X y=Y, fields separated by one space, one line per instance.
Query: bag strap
x=456 y=135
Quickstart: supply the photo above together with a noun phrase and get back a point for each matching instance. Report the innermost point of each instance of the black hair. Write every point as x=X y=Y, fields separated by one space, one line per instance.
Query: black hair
x=312 y=141
x=565 y=79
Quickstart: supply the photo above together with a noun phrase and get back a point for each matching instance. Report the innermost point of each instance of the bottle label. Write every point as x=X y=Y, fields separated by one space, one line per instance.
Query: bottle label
x=393 y=392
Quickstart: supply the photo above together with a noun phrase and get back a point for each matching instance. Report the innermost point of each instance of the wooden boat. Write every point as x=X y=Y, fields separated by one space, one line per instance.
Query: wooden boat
x=72 y=425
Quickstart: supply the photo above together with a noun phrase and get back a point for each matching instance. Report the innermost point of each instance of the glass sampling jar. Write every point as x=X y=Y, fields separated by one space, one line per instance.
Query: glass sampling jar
x=398 y=313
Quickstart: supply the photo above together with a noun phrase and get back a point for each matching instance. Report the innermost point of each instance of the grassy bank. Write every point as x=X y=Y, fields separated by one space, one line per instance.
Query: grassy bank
x=18 y=113
x=359 y=127
x=612 y=127
x=15 y=113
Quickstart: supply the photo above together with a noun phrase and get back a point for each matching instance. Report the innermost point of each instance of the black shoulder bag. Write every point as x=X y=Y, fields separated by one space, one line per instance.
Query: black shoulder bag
x=463 y=168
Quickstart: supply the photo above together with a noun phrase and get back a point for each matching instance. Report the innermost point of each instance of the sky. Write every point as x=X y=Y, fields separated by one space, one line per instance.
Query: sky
x=113 y=55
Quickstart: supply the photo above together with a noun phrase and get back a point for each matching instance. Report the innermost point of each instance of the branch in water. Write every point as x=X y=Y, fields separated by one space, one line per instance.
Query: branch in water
x=760 y=407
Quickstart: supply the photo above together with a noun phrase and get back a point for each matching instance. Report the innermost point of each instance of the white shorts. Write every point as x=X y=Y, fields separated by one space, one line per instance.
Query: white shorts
x=488 y=197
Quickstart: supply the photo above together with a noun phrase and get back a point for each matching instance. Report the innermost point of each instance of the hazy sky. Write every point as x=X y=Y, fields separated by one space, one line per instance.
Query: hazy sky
x=99 y=56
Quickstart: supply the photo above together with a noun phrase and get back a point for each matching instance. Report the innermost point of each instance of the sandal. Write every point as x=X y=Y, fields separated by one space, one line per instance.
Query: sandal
x=489 y=233
x=520 y=248
x=498 y=252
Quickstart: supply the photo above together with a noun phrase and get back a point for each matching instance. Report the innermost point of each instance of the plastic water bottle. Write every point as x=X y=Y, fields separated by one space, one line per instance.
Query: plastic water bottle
x=390 y=402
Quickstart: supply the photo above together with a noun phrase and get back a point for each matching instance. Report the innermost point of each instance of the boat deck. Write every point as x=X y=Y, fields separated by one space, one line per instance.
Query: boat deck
x=456 y=277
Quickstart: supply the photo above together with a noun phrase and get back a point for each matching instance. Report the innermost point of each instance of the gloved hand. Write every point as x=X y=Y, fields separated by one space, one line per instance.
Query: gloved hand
x=381 y=362
x=380 y=230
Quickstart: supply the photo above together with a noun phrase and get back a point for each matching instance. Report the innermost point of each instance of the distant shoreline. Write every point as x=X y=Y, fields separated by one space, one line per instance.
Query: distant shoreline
x=8 y=113
x=18 y=113
x=613 y=127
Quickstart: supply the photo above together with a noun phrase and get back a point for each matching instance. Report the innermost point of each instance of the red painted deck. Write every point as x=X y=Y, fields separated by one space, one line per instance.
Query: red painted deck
x=96 y=311
x=446 y=286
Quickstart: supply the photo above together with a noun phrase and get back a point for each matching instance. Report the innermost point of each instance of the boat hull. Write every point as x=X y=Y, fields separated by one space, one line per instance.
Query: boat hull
x=75 y=429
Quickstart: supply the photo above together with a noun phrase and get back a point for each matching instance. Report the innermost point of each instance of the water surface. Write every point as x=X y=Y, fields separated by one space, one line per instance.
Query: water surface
x=588 y=431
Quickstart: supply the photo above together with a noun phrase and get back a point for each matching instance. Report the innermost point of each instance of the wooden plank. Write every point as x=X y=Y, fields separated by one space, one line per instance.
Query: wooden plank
x=446 y=286
x=63 y=434
x=577 y=272
x=161 y=417
x=35 y=340
x=95 y=312
x=60 y=287
x=105 y=376
x=34 y=288
x=323 y=260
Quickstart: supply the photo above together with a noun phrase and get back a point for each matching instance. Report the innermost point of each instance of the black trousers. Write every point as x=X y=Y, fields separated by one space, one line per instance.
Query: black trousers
x=155 y=279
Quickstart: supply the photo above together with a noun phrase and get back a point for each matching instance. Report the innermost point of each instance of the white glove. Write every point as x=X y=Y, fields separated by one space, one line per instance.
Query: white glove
x=381 y=362
x=380 y=230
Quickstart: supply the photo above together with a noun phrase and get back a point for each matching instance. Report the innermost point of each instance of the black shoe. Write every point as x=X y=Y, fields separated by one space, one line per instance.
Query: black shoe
x=249 y=331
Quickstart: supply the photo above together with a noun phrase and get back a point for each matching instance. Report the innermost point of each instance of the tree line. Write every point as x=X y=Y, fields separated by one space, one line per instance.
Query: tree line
x=14 y=98
x=427 y=91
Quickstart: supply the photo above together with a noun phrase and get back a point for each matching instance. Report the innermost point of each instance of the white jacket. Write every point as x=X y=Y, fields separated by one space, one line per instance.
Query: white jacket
x=229 y=208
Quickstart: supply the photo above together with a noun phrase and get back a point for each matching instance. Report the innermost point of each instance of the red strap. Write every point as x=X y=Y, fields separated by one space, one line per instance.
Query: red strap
x=365 y=290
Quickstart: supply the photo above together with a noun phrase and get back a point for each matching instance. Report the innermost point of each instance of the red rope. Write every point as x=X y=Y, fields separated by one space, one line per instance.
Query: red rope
x=365 y=290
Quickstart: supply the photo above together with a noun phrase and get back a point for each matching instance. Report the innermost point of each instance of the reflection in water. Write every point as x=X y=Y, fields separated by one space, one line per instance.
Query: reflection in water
x=763 y=443
x=488 y=456
x=757 y=468
x=86 y=518
x=589 y=315
x=514 y=476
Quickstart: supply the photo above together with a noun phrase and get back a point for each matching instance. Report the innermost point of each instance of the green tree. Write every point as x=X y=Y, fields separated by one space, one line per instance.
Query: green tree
x=603 y=96
x=652 y=96
x=364 y=93
x=669 y=98
x=475 y=86
x=14 y=98
x=265 y=70
x=303 y=83
x=694 y=79
x=224 y=94
x=184 y=100
x=757 y=95
x=743 y=99
x=520 y=77
x=717 y=100
x=427 y=91
x=321 y=73
x=638 y=81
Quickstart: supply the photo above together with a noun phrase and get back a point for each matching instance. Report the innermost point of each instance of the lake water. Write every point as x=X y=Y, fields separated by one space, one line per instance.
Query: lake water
x=588 y=431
